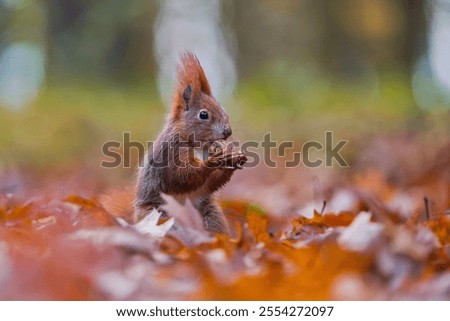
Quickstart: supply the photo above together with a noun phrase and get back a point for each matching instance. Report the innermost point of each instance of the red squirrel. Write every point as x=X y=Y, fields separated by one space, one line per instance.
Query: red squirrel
x=191 y=158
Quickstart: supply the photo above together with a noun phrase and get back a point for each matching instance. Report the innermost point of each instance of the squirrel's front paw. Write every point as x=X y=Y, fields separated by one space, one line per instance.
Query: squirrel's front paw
x=226 y=155
x=242 y=159
x=214 y=161
x=219 y=148
x=235 y=160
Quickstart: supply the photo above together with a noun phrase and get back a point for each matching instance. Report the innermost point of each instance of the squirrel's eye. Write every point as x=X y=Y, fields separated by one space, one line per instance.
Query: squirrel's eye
x=203 y=115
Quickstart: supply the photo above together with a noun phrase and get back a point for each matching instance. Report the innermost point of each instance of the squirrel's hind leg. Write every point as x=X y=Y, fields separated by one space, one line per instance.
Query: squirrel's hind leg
x=212 y=215
x=145 y=203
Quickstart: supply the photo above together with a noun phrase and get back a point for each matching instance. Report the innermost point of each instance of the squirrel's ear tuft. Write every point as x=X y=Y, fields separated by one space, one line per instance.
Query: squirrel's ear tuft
x=187 y=95
x=191 y=80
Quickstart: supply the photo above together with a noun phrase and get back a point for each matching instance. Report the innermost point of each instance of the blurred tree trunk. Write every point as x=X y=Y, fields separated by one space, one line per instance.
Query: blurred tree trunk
x=415 y=37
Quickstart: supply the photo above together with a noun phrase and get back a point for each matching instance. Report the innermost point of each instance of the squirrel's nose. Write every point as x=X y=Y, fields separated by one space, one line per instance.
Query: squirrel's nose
x=227 y=132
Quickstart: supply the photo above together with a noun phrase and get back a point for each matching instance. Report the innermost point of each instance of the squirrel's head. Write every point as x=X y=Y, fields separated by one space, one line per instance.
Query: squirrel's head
x=194 y=109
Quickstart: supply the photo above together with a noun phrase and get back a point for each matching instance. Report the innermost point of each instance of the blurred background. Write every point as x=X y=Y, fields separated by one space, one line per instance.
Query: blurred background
x=75 y=74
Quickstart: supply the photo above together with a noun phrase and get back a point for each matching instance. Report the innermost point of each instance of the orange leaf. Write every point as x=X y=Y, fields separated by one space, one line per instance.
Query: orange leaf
x=258 y=226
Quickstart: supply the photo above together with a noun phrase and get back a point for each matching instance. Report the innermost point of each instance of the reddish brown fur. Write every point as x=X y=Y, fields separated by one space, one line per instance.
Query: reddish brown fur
x=119 y=202
x=189 y=72
x=202 y=177
x=183 y=118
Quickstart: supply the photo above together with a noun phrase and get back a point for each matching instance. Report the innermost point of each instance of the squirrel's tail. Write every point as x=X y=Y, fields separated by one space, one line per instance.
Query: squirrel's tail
x=119 y=202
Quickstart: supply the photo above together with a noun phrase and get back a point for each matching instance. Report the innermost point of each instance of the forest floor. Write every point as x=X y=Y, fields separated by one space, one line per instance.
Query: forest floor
x=359 y=237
